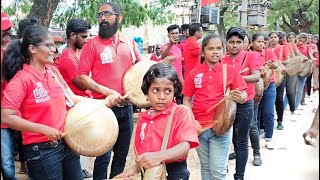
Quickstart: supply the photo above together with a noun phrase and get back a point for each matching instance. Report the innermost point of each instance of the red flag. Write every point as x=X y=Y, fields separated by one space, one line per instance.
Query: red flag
x=208 y=2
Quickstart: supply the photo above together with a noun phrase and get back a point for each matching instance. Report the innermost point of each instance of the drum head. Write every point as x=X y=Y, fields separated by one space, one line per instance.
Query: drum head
x=91 y=128
x=132 y=81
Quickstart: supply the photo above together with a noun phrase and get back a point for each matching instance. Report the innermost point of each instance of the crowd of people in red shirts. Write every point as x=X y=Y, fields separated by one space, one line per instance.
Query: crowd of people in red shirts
x=193 y=70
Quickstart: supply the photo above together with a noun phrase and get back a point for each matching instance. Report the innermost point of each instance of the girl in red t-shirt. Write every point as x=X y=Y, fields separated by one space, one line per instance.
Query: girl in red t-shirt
x=161 y=85
x=203 y=88
x=283 y=54
x=266 y=106
x=34 y=91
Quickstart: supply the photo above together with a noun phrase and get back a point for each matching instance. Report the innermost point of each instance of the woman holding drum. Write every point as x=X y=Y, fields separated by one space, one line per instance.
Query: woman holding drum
x=38 y=91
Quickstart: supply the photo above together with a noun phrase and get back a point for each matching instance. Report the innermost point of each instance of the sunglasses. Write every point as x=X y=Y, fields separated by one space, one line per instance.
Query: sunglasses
x=106 y=14
x=48 y=45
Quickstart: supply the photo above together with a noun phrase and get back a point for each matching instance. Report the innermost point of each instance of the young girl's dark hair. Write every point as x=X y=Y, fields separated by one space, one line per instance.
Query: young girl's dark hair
x=266 y=37
x=274 y=32
x=303 y=35
x=161 y=70
x=255 y=37
x=281 y=34
x=17 y=53
x=207 y=39
x=236 y=31
x=290 y=34
x=249 y=38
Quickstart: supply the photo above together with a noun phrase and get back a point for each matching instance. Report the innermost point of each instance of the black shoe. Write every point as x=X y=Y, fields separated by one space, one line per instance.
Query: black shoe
x=86 y=174
x=232 y=156
x=257 y=160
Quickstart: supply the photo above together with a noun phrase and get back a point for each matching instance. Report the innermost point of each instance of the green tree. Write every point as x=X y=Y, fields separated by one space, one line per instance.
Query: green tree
x=295 y=15
x=58 y=12
x=228 y=15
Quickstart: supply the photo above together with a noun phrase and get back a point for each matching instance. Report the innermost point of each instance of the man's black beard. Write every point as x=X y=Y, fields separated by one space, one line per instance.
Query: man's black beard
x=77 y=44
x=106 y=30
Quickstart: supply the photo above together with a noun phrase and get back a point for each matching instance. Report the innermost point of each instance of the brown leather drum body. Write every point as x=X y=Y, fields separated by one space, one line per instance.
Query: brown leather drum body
x=156 y=173
x=279 y=76
x=132 y=81
x=91 y=128
x=259 y=87
x=307 y=70
x=295 y=66
x=266 y=76
x=224 y=116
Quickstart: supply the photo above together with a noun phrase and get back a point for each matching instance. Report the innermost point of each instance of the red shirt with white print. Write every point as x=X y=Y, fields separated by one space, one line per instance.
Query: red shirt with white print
x=108 y=60
x=39 y=98
x=150 y=130
x=205 y=84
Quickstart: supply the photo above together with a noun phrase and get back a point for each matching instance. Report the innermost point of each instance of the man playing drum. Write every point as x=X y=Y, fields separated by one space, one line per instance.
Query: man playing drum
x=108 y=58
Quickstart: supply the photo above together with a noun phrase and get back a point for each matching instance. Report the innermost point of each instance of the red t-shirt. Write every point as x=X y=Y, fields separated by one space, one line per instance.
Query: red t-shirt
x=156 y=58
x=39 y=98
x=175 y=51
x=108 y=60
x=293 y=46
x=150 y=130
x=205 y=84
x=304 y=49
x=314 y=48
x=68 y=66
x=265 y=56
x=191 y=55
x=251 y=62
x=3 y=83
x=285 y=52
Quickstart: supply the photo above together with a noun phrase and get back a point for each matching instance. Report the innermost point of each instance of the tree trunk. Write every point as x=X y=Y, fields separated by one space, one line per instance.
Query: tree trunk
x=43 y=11
x=220 y=26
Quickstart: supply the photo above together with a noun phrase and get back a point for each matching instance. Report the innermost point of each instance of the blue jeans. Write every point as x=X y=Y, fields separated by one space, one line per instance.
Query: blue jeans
x=240 y=138
x=299 y=90
x=7 y=154
x=267 y=110
x=177 y=170
x=254 y=132
x=213 y=153
x=52 y=162
x=120 y=149
x=290 y=96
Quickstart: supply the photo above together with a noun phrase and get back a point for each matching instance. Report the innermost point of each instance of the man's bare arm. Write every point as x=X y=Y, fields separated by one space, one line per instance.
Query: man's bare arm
x=88 y=83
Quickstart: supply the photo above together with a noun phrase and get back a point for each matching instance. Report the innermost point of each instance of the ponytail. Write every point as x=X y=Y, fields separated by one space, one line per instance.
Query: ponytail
x=18 y=53
x=13 y=60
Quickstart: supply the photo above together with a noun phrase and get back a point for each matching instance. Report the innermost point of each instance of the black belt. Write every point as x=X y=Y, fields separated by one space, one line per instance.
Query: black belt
x=43 y=145
x=124 y=104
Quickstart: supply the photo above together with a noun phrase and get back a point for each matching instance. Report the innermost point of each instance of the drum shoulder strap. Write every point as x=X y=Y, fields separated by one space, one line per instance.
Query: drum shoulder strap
x=244 y=58
x=281 y=53
x=168 y=128
x=69 y=100
x=130 y=45
x=225 y=74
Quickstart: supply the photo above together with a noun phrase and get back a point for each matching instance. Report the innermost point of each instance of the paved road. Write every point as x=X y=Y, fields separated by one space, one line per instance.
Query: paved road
x=290 y=160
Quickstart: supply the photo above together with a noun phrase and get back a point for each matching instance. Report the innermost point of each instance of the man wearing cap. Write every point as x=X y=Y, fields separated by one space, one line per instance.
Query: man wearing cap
x=7 y=148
